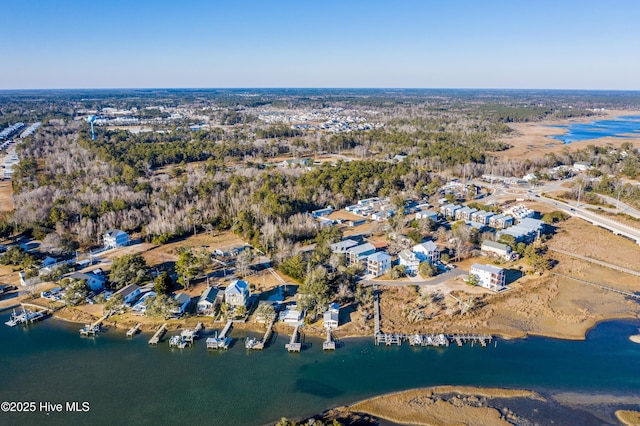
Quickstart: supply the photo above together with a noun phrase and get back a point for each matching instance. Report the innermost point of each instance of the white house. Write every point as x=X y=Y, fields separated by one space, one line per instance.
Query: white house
x=359 y=253
x=115 y=238
x=410 y=261
x=237 y=293
x=581 y=166
x=291 y=315
x=493 y=247
x=94 y=281
x=129 y=294
x=427 y=214
x=330 y=319
x=489 y=276
x=183 y=300
x=378 y=263
x=140 y=307
x=208 y=301
x=428 y=251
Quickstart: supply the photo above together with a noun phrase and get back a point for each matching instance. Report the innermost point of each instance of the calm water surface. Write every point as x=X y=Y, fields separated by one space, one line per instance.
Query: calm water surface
x=621 y=127
x=126 y=381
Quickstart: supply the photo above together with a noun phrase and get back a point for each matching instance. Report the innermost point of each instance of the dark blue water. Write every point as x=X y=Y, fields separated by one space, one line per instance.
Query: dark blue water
x=127 y=382
x=621 y=127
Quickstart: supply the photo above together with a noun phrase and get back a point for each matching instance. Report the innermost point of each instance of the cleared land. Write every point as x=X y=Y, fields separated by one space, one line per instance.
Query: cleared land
x=6 y=196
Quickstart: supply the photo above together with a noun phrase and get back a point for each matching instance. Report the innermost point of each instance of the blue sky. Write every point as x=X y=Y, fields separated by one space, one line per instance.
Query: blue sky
x=431 y=44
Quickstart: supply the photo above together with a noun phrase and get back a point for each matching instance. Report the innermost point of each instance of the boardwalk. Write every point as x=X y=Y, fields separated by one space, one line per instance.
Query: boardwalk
x=603 y=287
x=260 y=344
x=156 y=337
x=597 y=262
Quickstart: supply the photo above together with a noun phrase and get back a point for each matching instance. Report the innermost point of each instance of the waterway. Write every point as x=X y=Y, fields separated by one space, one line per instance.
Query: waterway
x=125 y=381
x=620 y=127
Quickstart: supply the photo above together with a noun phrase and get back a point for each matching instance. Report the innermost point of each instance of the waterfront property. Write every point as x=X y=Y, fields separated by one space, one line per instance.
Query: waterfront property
x=94 y=281
x=489 y=276
x=208 y=301
x=183 y=300
x=129 y=294
x=237 y=293
x=330 y=319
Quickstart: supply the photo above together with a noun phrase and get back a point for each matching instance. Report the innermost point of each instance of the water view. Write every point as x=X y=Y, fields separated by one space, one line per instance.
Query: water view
x=126 y=381
x=621 y=127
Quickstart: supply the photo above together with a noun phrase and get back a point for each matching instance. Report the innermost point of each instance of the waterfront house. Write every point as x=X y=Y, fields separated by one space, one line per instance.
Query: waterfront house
x=237 y=293
x=140 y=307
x=208 y=300
x=331 y=317
x=378 y=263
x=94 y=281
x=359 y=253
x=114 y=238
x=410 y=261
x=183 y=300
x=291 y=315
x=489 y=276
x=427 y=251
x=129 y=294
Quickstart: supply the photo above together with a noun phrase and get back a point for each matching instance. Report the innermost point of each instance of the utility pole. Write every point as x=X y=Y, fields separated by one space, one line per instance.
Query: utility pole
x=579 y=191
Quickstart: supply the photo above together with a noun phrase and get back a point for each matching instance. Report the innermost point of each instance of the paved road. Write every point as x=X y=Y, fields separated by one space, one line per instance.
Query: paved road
x=455 y=272
x=613 y=226
x=597 y=262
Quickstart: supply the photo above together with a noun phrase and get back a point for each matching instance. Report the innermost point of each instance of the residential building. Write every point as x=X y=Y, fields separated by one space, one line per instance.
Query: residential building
x=493 y=247
x=322 y=212
x=140 y=307
x=94 y=281
x=331 y=317
x=482 y=217
x=465 y=213
x=291 y=315
x=450 y=210
x=489 y=276
x=183 y=300
x=581 y=166
x=500 y=221
x=341 y=247
x=359 y=253
x=378 y=263
x=114 y=238
x=527 y=230
x=237 y=293
x=129 y=294
x=427 y=214
x=208 y=301
x=427 y=251
x=410 y=261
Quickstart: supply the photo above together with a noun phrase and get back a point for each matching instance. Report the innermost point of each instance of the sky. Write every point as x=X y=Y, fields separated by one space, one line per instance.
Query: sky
x=517 y=44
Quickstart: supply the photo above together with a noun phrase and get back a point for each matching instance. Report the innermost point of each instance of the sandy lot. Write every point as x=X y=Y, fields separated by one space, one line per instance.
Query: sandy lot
x=6 y=196
x=530 y=139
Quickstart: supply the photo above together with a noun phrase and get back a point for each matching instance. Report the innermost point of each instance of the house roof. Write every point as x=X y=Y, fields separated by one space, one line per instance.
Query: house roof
x=380 y=245
x=495 y=245
x=209 y=294
x=237 y=287
x=362 y=248
x=343 y=245
x=380 y=256
x=408 y=256
x=182 y=298
x=531 y=224
x=486 y=268
x=114 y=233
x=331 y=316
x=427 y=246
x=86 y=277
x=125 y=291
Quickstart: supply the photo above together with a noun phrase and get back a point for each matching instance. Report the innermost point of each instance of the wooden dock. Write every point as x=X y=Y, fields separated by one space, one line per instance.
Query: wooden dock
x=260 y=344
x=92 y=329
x=294 y=345
x=329 y=344
x=435 y=340
x=133 y=331
x=220 y=341
x=156 y=337
x=25 y=316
